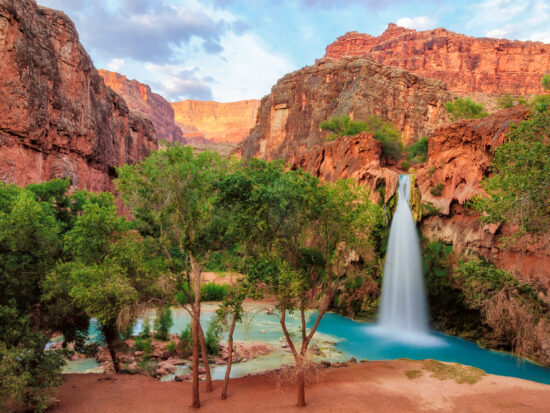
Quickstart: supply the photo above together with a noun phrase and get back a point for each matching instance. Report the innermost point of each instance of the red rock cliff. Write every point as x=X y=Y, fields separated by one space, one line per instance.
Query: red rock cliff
x=288 y=119
x=57 y=117
x=143 y=101
x=466 y=64
x=358 y=157
x=214 y=121
x=459 y=157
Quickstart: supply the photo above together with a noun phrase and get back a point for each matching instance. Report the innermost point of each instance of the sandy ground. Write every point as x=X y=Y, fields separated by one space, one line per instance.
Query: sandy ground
x=365 y=387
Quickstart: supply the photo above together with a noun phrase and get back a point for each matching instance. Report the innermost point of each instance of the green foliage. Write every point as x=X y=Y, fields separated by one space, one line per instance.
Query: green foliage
x=465 y=108
x=144 y=345
x=541 y=103
x=385 y=132
x=506 y=101
x=213 y=292
x=418 y=151
x=431 y=170
x=405 y=165
x=163 y=322
x=429 y=209
x=518 y=191
x=437 y=189
x=146 y=330
x=185 y=342
x=213 y=336
x=172 y=347
x=545 y=82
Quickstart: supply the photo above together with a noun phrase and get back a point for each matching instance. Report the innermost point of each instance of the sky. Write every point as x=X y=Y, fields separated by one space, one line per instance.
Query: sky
x=229 y=50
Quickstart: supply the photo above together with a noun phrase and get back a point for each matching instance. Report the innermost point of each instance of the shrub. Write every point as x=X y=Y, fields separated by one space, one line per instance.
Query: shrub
x=186 y=342
x=343 y=126
x=172 y=347
x=465 y=108
x=144 y=345
x=437 y=190
x=213 y=336
x=146 y=329
x=405 y=165
x=545 y=81
x=431 y=170
x=213 y=292
x=163 y=322
x=506 y=101
x=418 y=151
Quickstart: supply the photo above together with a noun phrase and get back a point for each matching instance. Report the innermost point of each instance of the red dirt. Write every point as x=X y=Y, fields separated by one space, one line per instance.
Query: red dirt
x=366 y=387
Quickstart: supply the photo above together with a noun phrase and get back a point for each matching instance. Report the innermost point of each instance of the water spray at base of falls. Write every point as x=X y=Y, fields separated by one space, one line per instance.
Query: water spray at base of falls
x=403 y=308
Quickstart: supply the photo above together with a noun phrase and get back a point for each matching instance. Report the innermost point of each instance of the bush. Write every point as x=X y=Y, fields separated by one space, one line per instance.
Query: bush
x=144 y=345
x=437 y=190
x=172 y=347
x=465 y=109
x=185 y=344
x=146 y=330
x=163 y=322
x=213 y=292
x=545 y=81
x=405 y=165
x=342 y=126
x=506 y=101
x=418 y=151
x=213 y=336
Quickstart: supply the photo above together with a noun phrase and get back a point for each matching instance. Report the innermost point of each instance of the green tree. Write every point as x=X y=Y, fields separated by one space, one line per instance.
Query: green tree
x=465 y=108
x=172 y=196
x=109 y=274
x=545 y=82
x=277 y=215
x=163 y=322
x=519 y=189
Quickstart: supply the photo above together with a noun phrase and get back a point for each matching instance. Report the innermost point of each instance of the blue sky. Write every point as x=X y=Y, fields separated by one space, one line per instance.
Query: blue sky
x=229 y=50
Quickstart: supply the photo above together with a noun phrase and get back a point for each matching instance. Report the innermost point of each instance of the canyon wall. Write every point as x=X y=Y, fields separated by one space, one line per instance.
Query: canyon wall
x=288 y=119
x=207 y=121
x=143 y=101
x=465 y=64
x=57 y=117
x=459 y=157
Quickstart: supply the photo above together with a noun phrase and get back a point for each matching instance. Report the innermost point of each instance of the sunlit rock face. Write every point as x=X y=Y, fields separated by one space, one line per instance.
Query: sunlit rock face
x=465 y=64
x=358 y=157
x=460 y=155
x=289 y=118
x=57 y=117
x=207 y=121
x=144 y=102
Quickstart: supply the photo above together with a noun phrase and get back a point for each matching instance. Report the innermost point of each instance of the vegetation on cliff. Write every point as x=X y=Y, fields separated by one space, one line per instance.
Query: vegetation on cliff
x=465 y=108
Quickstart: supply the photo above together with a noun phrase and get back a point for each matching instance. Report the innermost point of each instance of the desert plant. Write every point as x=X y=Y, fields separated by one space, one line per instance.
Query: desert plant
x=545 y=81
x=405 y=165
x=506 y=101
x=418 y=151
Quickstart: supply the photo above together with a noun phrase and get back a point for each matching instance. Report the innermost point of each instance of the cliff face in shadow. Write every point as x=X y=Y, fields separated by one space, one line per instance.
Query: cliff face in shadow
x=57 y=117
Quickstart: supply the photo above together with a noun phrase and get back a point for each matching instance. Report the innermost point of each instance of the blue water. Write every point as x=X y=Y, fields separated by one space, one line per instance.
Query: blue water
x=362 y=341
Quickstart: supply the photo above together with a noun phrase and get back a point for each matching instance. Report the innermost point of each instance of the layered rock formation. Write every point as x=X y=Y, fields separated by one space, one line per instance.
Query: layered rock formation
x=358 y=157
x=465 y=64
x=459 y=157
x=143 y=101
x=288 y=119
x=203 y=122
x=57 y=117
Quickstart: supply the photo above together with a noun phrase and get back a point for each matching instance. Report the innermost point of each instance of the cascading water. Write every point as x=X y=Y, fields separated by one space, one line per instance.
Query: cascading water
x=403 y=308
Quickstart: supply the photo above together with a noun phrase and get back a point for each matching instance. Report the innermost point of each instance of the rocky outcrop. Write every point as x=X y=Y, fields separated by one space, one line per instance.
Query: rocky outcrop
x=288 y=119
x=358 y=157
x=57 y=117
x=203 y=122
x=459 y=157
x=465 y=64
x=144 y=102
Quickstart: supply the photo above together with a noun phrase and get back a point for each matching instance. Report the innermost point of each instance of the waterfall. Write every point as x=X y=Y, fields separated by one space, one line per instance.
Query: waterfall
x=403 y=308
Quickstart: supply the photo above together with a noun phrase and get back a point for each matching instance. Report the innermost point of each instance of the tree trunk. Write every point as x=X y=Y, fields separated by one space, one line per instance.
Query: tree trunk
x=229 y=358
x=205 y=361
x=301 y=383
x=111 y=334
x=196 y=334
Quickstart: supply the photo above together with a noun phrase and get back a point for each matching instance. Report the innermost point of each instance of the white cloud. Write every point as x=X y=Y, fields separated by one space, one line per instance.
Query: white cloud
x=115 y=65
x=417 y=23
